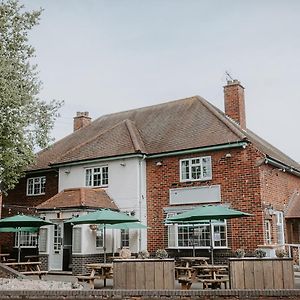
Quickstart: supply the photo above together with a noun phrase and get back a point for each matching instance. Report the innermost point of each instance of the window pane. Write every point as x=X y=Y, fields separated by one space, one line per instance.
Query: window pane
x=196 y=172
x=105 y=176
x=97 y=179
x=88 y=177
x=99 y=238
x=185 y=170
x=206 y=167
x=124 y=237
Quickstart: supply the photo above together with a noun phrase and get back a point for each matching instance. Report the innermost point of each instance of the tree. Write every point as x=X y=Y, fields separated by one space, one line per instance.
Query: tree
x=25 y=120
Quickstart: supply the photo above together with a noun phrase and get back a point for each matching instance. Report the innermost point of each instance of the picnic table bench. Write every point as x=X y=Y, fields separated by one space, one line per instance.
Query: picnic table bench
x=27 y=268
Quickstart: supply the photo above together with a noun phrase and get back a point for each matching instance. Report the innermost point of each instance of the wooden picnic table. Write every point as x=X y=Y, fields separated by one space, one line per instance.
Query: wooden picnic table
x=190 y=261
x=186 y=264
x=98 y=271
x=3 y=257
x=27 y=268
x=32 y=258
x=211 y=275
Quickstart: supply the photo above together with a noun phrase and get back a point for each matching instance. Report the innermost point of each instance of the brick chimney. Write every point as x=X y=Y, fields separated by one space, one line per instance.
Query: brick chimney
x=234 y=102
x=81 y=120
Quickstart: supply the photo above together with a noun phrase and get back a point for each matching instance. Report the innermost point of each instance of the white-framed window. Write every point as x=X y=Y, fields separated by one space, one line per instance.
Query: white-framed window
x=198 y=235
x=99 y=237
x=36 y=186
x=26 y=239
x=268 y=232
x=43 y=240
x=96 y=176
x=194 y=169
x=124 y=237
x=57 y=240
x=279 y=227
x=76 y=242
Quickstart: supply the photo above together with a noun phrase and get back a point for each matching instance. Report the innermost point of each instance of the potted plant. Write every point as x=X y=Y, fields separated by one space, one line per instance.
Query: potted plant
x=143 y=254
x=240 y=252
x=260 y=253
x=280 y=253
x=161 y=253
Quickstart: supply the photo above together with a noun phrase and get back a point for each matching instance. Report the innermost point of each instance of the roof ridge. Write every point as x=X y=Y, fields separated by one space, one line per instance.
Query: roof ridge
x=133 y=132
x=144 y=107
x=90 y=140
x=222 y=117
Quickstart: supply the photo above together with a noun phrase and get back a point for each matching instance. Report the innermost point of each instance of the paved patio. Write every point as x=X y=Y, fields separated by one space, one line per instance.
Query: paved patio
x=109 y=282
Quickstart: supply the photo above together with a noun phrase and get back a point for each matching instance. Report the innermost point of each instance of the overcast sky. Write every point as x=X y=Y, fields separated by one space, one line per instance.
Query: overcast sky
x=114 y=55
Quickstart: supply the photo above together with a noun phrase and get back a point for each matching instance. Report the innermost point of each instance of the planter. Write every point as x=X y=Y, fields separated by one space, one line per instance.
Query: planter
x=144 y=274
x=264 y=273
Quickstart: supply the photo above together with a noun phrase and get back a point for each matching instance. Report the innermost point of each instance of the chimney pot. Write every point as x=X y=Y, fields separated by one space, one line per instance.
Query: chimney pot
x=81 y=120
x=234 y=102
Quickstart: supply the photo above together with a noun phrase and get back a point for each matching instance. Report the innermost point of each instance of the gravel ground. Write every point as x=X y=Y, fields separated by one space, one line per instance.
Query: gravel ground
x=30 y=284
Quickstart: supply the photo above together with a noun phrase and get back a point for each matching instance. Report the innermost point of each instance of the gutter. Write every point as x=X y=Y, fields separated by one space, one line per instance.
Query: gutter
x=81 y=162
x=282 y=166
x=241 y=144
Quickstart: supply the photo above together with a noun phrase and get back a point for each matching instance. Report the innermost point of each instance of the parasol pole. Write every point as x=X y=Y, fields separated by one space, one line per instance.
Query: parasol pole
x=104 y=242
x=211 y=244
x=194 y=253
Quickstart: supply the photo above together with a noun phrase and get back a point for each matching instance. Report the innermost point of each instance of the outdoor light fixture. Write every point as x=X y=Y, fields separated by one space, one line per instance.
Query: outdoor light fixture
x=93 y=227
x=159 y=163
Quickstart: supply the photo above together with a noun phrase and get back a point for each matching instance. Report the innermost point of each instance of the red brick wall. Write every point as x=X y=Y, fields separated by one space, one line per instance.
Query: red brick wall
x=277 y=189
x=17 y=202
x=240 y=186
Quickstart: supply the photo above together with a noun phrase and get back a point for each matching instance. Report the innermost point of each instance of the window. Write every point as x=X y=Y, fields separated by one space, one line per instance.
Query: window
x=268 y=232
x=124 y=238
x=57 y=241
x=99 y=237
x=76 y=243
x=97 y=176
x=36 y=186
x=26 y=239
x=43 y=240
x=193 y=169
x=280 y=228
x=185 y=236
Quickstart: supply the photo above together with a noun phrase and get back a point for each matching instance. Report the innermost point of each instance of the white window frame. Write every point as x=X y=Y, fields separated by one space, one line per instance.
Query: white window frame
x=124 y=238
x=32 y=182
x=191 y=165
x=175 y=234
x=99 y=237
x=24 y=239
x=280 y=227
x=268 y=232
x=90 y=182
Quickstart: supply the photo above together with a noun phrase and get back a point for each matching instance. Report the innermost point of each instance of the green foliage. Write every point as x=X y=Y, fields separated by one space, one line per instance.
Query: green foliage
x=25 y=120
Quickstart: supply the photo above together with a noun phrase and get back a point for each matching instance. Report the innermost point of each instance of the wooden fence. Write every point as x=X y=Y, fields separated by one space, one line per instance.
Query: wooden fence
x=261 y=273
x=144 y=274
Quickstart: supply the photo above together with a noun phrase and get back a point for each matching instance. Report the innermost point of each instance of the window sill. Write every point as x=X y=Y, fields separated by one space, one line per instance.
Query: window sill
x=31 y=195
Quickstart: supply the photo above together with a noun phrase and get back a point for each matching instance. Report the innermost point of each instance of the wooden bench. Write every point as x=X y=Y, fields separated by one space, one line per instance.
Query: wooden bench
x=214 y=283
x=39 y=273
x=89 y=278
x=185 y=282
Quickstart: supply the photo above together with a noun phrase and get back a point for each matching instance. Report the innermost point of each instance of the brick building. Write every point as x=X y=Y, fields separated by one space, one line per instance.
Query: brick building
x=158 y=161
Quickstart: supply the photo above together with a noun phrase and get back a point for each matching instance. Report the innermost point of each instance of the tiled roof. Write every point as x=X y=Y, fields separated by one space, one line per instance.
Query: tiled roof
x=178 y=125
x=293 y=208
x=79 y=197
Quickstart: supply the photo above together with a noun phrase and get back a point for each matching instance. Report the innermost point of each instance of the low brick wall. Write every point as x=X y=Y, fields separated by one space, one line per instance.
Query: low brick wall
x=151 y=295
x=79 y=262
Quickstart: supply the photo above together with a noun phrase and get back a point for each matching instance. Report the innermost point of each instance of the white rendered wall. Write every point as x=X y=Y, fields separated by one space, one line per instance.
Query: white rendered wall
x=127 y=187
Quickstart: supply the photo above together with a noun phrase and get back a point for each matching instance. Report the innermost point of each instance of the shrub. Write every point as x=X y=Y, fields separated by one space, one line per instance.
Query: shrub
x=161 y=253
x=260 y=253
x=143 y=254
